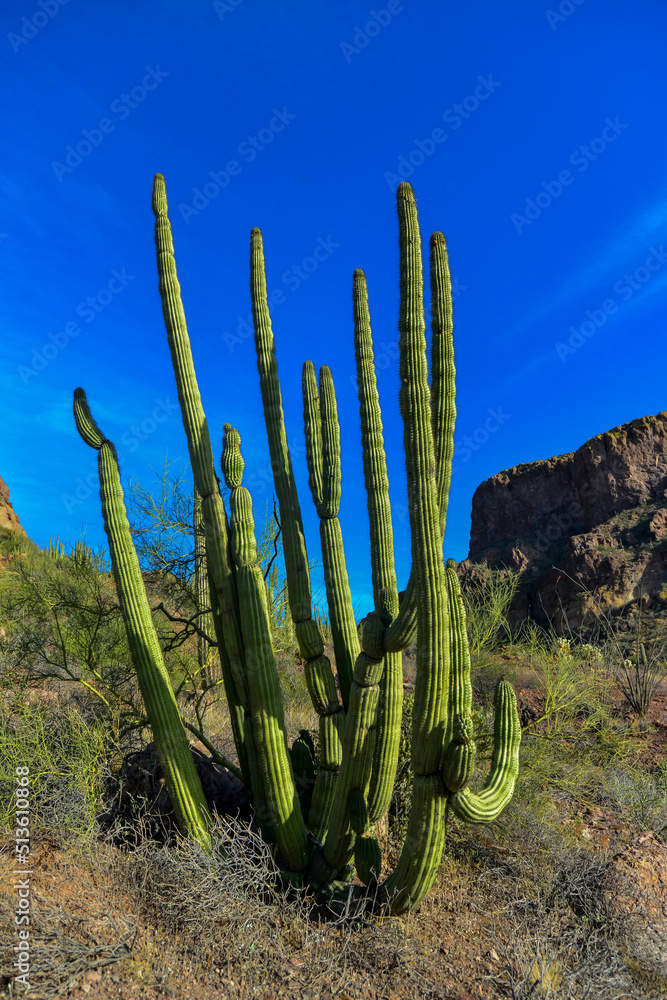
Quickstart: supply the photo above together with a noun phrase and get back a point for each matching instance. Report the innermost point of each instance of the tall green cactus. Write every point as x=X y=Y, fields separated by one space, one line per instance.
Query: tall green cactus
x=171 y=742
x=358 y=746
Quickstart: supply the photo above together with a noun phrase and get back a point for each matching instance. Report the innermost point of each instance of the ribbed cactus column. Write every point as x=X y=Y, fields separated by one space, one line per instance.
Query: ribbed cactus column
x=422 y=851
x=323 y=456
x=274 y=782
x=183 y=784
x=318 y=672
x=205 y=652
x=203 y=470
x=372 y=735
x=443 y=419
x=383 y=573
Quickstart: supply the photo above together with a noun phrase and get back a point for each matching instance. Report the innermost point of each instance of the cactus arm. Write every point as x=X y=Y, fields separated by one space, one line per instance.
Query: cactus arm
x=443 y=372
x=459 y=748
x=341 y=615
x=202 y=593
x=460 y=687
x=498 y=789
x=275 y=794
x=203 y=467
x=192 y=812
x=443 y=418
x=318 y=673
x=312 y=425
x=323 y=455
x=421 y=854
x=432 y=677
x=385 y=592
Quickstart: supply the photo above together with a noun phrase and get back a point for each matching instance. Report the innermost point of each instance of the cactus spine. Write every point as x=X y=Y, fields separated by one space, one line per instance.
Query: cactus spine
x=350 y=788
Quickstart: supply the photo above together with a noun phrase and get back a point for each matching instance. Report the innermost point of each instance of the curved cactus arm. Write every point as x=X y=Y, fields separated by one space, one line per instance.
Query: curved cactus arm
x=203 y=466
x=318 y=672
x=498 y=790
x=420 y=857
x=323 y=454
x=385 y=591
x=443 y=418
x=183 y=784
x=276 y=799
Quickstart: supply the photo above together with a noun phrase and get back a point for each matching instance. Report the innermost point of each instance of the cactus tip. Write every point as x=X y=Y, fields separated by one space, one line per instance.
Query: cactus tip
x=85 y=424
x=159 y=194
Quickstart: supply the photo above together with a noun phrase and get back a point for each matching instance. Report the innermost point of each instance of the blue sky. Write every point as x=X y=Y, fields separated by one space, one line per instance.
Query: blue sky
x=534 y=139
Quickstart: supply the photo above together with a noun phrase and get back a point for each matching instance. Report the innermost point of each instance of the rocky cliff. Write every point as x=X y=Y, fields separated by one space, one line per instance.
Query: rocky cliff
x=594 y=519
x=8 y=517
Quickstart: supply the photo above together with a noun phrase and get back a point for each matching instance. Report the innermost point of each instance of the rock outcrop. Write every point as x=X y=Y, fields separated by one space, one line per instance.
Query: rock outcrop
x=8 y=516
x=594 y=520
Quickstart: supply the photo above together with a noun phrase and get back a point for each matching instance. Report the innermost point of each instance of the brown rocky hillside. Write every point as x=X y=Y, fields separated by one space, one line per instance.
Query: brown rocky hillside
x=592 y=520
x=8 y=516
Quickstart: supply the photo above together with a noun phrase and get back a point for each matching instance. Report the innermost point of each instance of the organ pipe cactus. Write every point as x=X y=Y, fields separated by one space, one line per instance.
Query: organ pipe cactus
x=321 y=815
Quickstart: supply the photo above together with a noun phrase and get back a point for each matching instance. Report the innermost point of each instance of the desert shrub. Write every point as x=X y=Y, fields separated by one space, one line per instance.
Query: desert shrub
x=67 y=749
x=642 y=797
x=580 y=740
x=640 y=674
x=62 y=621
x=486 y=605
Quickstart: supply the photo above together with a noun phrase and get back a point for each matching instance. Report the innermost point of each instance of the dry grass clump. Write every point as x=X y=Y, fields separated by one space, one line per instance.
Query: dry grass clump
x=227 y=910
x=545 y=913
